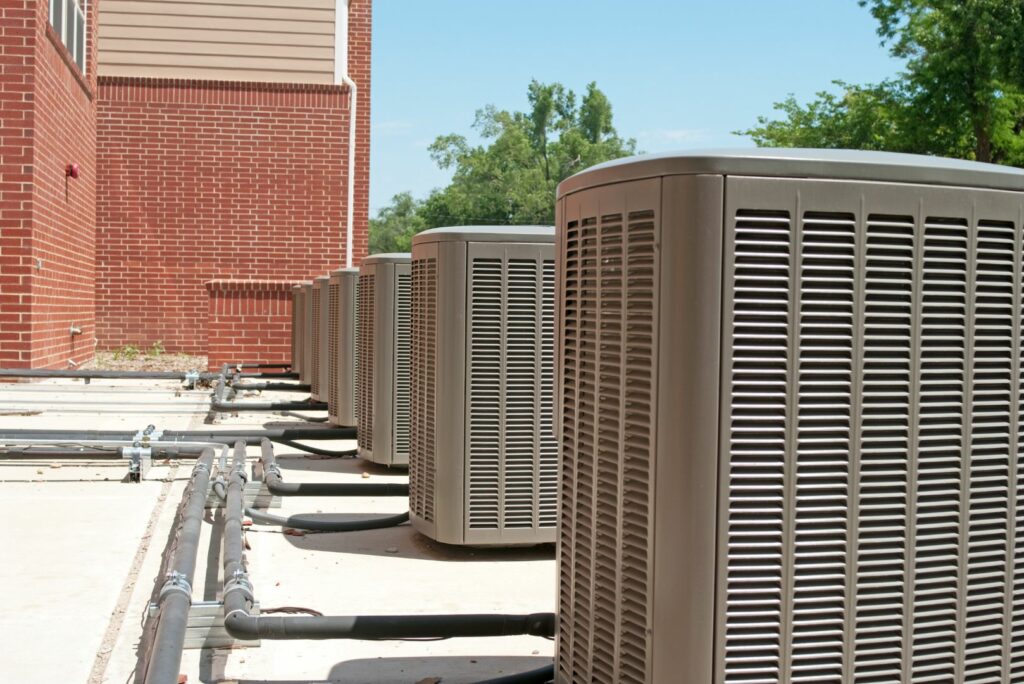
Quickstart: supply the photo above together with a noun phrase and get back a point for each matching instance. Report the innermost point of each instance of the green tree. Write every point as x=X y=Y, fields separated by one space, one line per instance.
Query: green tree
x=511 y=177
x=959 y=95
x=395 y=224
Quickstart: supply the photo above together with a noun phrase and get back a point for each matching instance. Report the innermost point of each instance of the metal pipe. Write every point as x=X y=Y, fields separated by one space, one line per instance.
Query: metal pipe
x=220 y=403
x=239 y=598
x=102 y=374
x=175 y=596
x=269 y=376
x=242 y=406
x=330 y=453
x=240 y=366
x=270 y=387
x=276 y=485
x=169 y=436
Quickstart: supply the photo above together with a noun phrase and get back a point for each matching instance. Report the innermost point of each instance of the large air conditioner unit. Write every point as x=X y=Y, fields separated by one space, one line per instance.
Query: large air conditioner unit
x=483 y=462
x=298 y=321
x=341 y=347
x=791 y=390
x=320 y=330
x=383 y=349
x=307 y=333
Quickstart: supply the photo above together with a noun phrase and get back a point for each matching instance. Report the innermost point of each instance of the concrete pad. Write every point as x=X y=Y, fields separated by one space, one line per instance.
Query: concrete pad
x=68 y=547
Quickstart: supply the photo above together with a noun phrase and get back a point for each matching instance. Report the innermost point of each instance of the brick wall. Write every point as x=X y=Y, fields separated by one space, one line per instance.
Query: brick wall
x=216 y=181
x=360 y=30
x=47 y=120
x=248 y=320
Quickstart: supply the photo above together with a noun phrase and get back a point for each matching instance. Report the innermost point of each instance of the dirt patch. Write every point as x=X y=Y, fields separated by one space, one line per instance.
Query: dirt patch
x=118 y=361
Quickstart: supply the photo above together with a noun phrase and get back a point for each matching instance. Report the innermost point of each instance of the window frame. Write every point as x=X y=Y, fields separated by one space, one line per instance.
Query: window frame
x=69 y=19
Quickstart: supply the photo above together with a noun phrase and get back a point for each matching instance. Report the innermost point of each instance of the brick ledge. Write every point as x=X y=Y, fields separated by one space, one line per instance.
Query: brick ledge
x=251 y=285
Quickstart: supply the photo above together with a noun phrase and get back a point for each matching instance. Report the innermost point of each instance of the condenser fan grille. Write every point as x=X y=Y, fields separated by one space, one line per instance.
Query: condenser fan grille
x=874 y=401
x=609 y=324
x=403 y=295
x=364 y=362
x=424 y=354
x=333 y=352
x=317 y=334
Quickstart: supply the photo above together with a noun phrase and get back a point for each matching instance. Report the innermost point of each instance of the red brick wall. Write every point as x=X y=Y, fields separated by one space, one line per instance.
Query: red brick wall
x=47 y=225
x=210 y=181
x=17 y=64
x=360 y=30
x=249 y=321
x=204 y=181
x=64 y=239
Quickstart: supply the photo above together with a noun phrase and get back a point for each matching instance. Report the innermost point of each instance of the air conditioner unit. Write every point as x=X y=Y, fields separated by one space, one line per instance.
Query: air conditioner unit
x=298 y=320
x=791 y=420
x=383 y=349
x=341 y=348
x=483 y=462
x=321 y=309
x=307 y=333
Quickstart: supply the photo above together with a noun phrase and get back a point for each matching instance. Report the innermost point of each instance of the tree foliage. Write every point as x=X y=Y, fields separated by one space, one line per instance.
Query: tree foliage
x=960 y=94
x=511 y=176
x=395 y=225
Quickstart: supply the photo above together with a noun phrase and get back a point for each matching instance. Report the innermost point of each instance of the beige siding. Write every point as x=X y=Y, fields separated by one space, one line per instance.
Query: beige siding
x=237 y=40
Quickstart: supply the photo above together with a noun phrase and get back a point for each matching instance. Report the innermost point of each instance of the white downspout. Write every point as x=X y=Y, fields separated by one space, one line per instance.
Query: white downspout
x=341 y=76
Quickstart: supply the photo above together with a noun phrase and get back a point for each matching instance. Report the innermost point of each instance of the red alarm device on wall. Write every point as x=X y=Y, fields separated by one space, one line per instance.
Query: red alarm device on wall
x=72 y=171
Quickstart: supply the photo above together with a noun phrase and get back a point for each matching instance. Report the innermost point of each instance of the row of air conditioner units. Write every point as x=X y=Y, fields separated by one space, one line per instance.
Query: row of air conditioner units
x=444 y=359
x=789 y=411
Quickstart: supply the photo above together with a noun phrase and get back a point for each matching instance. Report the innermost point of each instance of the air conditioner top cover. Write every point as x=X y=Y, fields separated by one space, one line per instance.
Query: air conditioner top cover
x=536 y=234
x=801 y=163
x=388 y=258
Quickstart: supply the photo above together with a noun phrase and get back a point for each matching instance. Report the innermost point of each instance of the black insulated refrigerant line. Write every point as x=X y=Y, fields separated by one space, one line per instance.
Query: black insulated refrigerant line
x=251 y=438
x=239 y=598
x=221 y=404
x=276 y=484
x=175 y=596
x=104 y=375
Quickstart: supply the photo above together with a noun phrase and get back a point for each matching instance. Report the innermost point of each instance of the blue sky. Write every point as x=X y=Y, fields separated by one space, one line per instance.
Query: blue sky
x=679 y=74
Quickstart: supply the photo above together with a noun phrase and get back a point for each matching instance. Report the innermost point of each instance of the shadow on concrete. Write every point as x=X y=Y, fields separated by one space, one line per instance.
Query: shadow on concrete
x=447 y=670
x=328 y=464
x=404 y=541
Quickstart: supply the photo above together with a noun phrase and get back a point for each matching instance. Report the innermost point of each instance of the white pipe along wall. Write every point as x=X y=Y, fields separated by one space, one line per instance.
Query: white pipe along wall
x=341 y=77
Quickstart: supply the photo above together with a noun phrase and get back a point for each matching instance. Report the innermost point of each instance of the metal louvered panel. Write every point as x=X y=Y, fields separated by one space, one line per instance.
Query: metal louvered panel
x=1014 y=621
x=401 y=399
x=298 y=308
x=333 y=353
x=521 y=393
x=547 y=477
x=485 y=393
x=885 y=439
x=423 y=387
x=512 y=448
x=314 y=328
x=941 y=442
x=823 y=445
x=872 y=500
x=988 y=495
x=356 y=323
x=609 y=328
x=296 y=331
x=756 y=530
x=364 y=363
